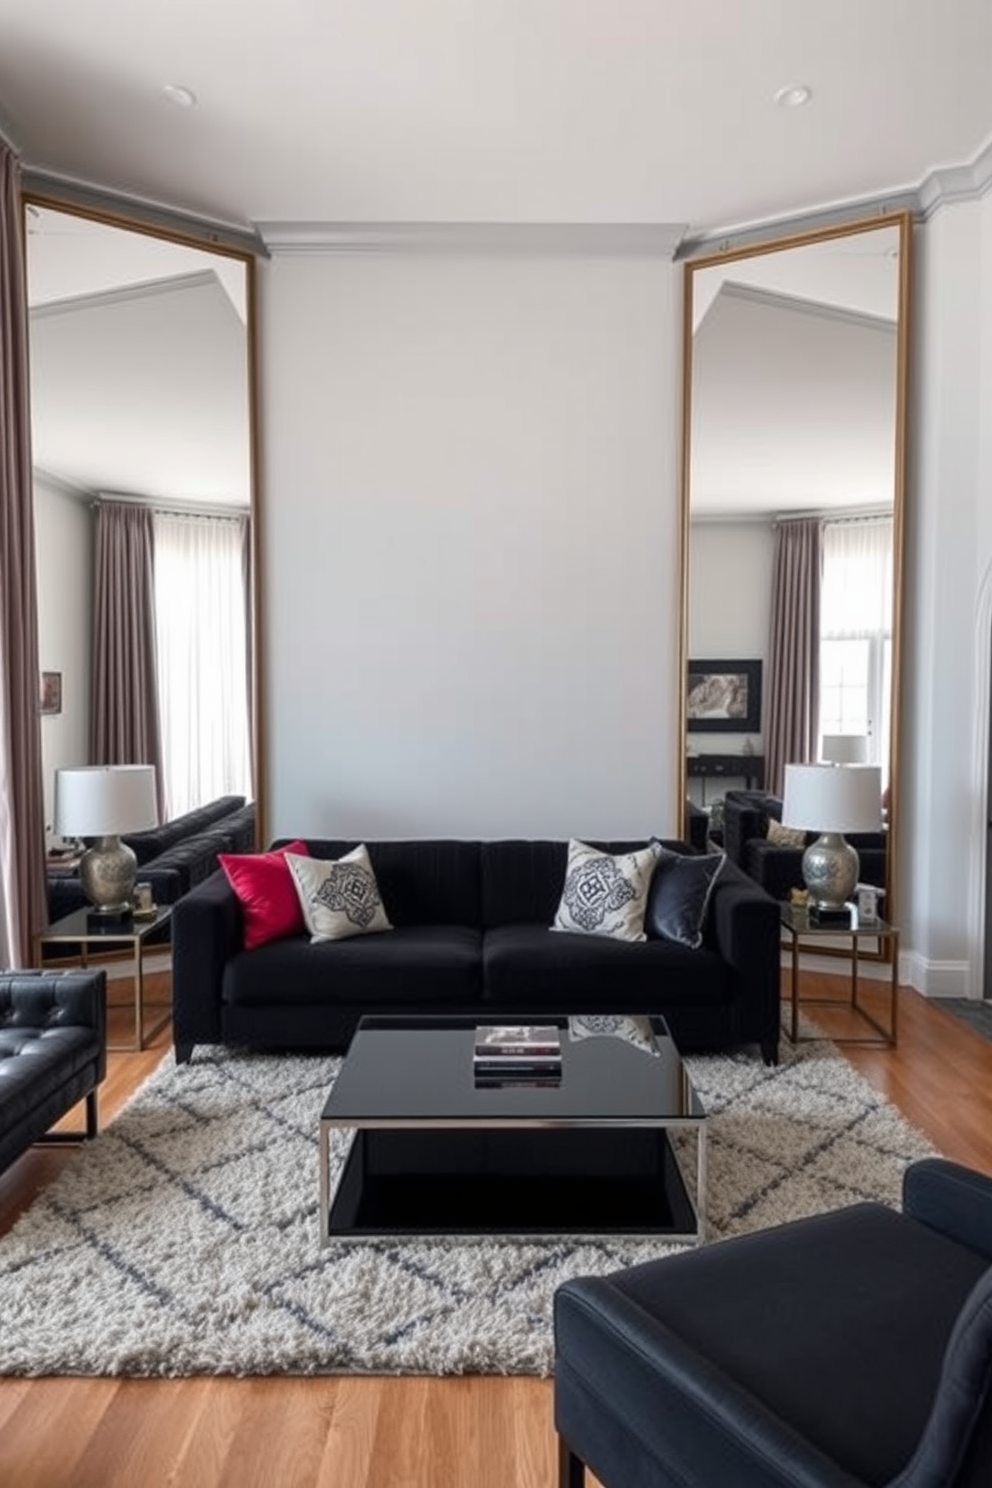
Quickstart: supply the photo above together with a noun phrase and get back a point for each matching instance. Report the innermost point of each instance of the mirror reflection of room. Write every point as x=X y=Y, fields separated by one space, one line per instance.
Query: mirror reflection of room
x=141 y=452
x=792 y=481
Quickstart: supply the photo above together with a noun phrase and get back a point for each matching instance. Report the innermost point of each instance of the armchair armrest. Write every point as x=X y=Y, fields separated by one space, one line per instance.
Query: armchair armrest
x=703 y=1408
x=954 y=1200
x=54 y=999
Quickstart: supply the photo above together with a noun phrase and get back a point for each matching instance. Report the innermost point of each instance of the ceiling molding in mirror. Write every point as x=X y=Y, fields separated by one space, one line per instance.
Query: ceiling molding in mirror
x=143 y=391
x=795 y=366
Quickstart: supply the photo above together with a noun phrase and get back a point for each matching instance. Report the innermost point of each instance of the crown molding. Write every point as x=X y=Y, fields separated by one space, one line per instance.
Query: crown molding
x=797 y=305
x=9 y=132
x=61 y=485
x=949 y=184
x=500 y=239
x=68 y=192
x=878 y=209
x=142 y=290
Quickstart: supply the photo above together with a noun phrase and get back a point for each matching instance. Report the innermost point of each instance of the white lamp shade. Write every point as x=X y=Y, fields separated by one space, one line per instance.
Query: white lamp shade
x=844 y=749
x=833 y=798
x=105 y=800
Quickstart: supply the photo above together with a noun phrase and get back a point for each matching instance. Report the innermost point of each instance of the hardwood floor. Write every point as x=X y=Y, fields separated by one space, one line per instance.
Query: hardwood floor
x=386 y=1432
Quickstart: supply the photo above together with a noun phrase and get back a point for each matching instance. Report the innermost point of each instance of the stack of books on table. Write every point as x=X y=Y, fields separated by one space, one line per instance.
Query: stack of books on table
x=508 y=1054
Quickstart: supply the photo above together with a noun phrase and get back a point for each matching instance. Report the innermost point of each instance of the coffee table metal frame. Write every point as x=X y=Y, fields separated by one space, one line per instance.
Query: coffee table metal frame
x=539 y=1115
x=76 y=929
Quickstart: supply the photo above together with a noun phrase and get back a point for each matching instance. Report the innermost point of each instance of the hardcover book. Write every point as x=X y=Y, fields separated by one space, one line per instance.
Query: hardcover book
x=500 y=1041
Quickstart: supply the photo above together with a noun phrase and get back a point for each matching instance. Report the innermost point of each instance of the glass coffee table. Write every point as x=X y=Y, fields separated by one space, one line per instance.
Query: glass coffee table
x=433 y=1154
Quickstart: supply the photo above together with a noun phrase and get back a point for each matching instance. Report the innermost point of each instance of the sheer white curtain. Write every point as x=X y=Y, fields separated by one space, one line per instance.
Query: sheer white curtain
x=201 y=644
x=856 y=630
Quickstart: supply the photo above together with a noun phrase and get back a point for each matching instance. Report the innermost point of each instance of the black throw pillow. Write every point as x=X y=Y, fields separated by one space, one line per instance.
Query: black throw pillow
x=679 y=896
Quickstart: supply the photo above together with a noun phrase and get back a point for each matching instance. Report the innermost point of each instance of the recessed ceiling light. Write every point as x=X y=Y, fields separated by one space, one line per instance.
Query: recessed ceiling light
x=793 y=95
x=181 y=97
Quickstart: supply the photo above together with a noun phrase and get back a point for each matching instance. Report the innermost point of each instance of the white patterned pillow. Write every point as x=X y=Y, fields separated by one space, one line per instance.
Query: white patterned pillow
x=605 y=894
x=339 y=897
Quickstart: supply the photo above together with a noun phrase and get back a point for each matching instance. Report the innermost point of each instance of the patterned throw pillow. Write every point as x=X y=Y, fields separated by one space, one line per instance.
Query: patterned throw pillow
x=603 y=894
x=780 y=836
x=339 y=897
x=680 y=895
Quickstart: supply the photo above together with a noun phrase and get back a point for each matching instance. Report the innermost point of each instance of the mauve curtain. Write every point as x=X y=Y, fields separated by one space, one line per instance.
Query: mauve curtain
x=23 y=900
x=794 y=650
x=125 y=692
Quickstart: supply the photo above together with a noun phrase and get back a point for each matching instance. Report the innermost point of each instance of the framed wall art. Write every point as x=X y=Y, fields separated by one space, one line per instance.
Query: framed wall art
x=51 y=692
x=724 y=697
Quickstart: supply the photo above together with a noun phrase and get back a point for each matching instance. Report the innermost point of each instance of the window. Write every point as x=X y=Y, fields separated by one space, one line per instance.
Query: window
x=200 y=627
x=856 y=632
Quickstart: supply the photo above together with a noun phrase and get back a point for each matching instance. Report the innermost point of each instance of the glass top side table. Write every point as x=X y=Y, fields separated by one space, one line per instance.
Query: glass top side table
x=79 y=929
x=798 y=923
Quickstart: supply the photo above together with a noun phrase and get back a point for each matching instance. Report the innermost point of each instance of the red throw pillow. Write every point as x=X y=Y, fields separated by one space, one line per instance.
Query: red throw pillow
x=266 y=891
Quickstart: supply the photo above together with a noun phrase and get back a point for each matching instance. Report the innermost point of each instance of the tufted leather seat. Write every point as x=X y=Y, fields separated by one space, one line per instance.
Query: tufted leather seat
x=52 y=1052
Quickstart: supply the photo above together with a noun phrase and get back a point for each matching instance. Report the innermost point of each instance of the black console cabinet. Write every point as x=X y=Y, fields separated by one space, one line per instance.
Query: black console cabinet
x=747 y=767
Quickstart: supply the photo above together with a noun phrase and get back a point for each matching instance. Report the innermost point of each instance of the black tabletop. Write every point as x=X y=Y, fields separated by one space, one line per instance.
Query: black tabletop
x=412 y=1070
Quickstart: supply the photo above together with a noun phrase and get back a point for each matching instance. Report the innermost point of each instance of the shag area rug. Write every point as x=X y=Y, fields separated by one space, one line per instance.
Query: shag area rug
x=185 y=1241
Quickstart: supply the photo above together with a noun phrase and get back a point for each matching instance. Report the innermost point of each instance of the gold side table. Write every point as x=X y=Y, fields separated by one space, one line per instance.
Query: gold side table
x=79 y=929
x=798 y=924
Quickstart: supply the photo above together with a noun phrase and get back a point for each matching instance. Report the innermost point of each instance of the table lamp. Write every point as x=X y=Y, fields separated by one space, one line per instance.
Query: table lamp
x=832 y=800
x=102 y=801
x=844 y=749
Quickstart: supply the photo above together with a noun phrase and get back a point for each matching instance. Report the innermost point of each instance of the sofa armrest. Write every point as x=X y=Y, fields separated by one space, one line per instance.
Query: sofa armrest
x=745 y=929
x=207 y=931
x=745 y=815
x=952 y=1199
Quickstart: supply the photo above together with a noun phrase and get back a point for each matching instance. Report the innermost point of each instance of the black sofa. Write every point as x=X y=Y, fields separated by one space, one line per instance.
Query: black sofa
x=779 y=870
x=471 y=935
x=53 y=1052
x=173 y=857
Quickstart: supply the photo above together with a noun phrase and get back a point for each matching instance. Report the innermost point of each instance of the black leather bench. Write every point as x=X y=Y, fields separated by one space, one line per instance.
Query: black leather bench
x=53 y=1053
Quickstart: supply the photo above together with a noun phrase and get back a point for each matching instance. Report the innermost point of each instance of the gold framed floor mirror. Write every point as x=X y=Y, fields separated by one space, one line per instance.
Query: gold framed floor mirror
x=795 y=362
x=142 y=346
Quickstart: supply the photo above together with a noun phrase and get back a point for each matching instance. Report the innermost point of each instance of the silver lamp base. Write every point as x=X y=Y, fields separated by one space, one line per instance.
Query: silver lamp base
x=107 y=872
x=830 y=871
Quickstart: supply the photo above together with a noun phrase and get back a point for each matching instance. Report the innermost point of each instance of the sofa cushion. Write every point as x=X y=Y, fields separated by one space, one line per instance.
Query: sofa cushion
x=432 y=882
x=529 y=965
x=339 y=897
x=522 y=880
x=680 y=895
x=269 y=902
x=605 y=893
x=415 y=964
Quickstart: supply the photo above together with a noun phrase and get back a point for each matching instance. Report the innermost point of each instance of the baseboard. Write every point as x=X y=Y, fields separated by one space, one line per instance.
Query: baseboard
x=937 y=978
x=930 y=978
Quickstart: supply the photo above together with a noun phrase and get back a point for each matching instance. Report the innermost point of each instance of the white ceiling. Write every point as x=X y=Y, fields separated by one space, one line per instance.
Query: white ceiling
x=502 y=111
x=794 y=379
x=139 y=371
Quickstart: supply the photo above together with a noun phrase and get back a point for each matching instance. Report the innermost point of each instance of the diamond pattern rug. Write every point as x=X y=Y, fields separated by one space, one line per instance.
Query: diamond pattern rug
x=184 y=1240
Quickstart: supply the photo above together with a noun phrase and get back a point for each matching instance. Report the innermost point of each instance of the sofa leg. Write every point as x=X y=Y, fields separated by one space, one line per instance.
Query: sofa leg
x=184 y=1053
x=92 y=1123
x=769 y=1051
x=571 y=1469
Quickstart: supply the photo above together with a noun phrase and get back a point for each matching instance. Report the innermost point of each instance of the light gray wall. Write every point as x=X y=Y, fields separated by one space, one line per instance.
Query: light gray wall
x=944 y=804
x=470 y=544
x=63 y=548
x=730 y=568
